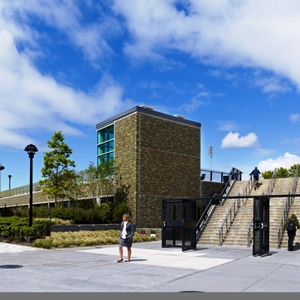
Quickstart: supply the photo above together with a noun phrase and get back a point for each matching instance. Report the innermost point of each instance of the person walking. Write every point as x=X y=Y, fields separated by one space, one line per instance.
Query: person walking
x=255 y=173
x=290 y=225
x=126 y=236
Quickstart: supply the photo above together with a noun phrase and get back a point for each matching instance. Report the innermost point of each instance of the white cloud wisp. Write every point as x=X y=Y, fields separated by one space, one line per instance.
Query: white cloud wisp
x=233 y=140
x=31 y=102
x=259 y=34
x=285 y=161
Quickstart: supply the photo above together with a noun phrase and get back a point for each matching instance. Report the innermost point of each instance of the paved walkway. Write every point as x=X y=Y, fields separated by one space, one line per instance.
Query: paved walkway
x=152 y=269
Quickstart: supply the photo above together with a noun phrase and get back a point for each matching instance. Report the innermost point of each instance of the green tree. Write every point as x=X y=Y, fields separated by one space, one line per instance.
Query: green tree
x=282 y=173
x=267 y=174
x=57 y=170
x=292 y=170
x=100 y=179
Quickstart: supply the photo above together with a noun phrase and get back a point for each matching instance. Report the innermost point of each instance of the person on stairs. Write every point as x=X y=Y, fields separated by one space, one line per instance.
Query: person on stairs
x=290 y=225
x=255 y=173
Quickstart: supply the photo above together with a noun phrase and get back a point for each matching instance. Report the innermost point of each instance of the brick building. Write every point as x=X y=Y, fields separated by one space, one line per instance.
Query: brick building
x=159 y=156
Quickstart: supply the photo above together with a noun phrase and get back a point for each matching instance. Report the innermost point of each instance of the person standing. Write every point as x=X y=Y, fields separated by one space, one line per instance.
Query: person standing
x=255 y=174
x=126 y=237
x=290 y=225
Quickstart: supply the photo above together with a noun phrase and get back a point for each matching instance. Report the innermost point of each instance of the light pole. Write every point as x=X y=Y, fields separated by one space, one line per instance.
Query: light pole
x=30 y=149
x=211 y=152
x=9 y=178
x=1 y=168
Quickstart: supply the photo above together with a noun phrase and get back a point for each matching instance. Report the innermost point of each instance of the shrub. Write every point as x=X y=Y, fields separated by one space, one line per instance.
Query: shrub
x=118 y=211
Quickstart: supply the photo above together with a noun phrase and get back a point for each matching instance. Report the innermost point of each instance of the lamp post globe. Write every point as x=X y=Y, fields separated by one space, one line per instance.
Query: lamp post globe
x=31 y=150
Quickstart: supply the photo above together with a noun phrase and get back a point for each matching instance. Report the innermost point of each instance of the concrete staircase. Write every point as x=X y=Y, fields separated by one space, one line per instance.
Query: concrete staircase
x=238 y=233
x=282 y=186
x=211 y=233
x=294 y=209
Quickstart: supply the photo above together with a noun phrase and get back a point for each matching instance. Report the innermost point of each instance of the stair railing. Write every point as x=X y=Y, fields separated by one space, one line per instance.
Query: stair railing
x=247 y=191
x=234 y=175
x=272 y=183
x=229 y=219
x=268 y=192
x=289 y=201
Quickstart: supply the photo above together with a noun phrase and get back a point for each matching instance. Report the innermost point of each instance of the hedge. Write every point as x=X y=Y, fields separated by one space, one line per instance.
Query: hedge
x=18 y=228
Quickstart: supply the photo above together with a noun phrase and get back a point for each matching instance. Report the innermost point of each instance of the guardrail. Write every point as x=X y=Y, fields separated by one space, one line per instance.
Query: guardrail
x=229 y=219
x=247 y=191
x=234 y=175
x=289 y=201
x=24 y=189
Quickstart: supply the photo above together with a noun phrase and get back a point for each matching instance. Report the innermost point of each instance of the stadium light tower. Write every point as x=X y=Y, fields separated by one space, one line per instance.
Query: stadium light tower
x=211 y=152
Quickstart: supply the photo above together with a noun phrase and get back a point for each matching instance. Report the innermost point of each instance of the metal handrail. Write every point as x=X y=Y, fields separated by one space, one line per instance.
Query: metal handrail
x=289 y=201
x=268 y=192
x=235 y=207
x=234 y=174
x=247 y=191
x=272 y=182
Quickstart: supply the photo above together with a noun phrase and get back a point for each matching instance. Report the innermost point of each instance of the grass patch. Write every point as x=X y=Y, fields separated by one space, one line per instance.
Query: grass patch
x=57 y=221
x=86 y=238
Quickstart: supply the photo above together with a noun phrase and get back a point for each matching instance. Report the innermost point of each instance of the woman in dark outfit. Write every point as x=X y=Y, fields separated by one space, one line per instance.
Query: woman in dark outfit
x=126 y=236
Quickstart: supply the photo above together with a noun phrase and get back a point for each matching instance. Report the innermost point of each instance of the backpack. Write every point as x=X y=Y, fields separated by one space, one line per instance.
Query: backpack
x=291 y=226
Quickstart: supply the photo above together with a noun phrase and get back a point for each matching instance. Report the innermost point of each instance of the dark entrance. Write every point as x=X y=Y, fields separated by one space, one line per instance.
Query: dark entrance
x=179 y=223
x=261 y=228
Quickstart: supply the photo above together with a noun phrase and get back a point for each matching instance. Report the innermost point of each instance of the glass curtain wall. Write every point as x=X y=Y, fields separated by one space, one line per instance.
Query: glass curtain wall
x=105 y=144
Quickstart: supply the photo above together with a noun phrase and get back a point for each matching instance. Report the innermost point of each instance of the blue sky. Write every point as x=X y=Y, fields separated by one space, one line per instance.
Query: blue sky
x=233 y=66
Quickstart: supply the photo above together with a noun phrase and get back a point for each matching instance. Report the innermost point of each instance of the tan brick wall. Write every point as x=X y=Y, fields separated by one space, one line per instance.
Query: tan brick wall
x=126 y=155
x=208 y=188
x=169 y=165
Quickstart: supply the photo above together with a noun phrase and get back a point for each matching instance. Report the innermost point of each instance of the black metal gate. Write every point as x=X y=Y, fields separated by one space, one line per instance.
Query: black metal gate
x=179 y=223
x=261 y=228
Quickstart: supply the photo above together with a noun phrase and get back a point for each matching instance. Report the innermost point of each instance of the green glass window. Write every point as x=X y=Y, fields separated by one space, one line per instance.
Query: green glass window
x=106 y=134
x=105 y=147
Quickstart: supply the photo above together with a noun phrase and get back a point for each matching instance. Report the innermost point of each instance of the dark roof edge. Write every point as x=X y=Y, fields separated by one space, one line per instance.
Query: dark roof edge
x=148 y=112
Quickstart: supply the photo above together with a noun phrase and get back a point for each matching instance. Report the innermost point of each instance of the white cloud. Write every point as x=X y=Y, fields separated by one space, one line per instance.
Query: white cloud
x=272 y=85
x=195 y=103
x=262 y=152
x=294 y=141
x=227 y=125
x=254 y=33
x=232 y=140
x=63 y=15
x=294 y=117
x=285 y=161
x=31 y=102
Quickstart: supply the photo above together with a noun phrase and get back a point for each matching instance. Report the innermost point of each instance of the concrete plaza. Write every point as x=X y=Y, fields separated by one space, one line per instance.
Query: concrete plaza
x=208 y=269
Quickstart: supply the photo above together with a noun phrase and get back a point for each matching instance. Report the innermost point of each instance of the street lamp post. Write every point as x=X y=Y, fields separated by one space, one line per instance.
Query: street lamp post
x=30 y=149
x=211 y=152
x=1 y=168
x=9 y=178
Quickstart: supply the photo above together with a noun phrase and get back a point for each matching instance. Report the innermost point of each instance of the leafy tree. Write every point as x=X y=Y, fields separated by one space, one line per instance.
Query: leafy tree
x=292 y=170
x=282 y=172
x=100 y=179
x=59 y=178
x=267 y=174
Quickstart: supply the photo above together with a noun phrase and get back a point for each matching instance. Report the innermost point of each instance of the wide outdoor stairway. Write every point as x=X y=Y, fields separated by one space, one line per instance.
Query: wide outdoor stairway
x=211 y=233
x=282 y=186
x=238 y=233
x=294 y=209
